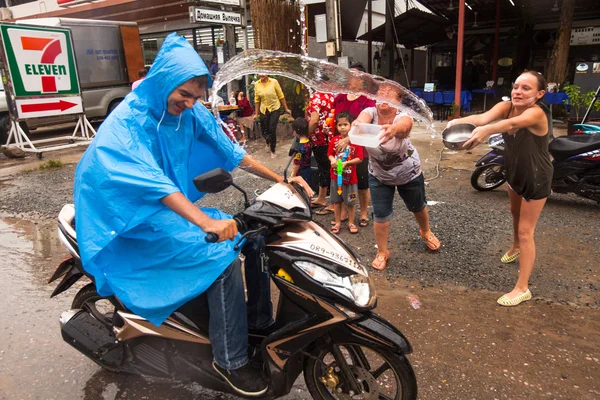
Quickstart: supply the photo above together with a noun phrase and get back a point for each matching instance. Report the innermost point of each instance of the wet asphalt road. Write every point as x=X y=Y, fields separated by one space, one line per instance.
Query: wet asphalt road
x=457 y=287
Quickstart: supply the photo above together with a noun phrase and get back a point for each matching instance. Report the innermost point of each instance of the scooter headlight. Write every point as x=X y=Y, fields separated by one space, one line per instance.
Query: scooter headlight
x=357 y=288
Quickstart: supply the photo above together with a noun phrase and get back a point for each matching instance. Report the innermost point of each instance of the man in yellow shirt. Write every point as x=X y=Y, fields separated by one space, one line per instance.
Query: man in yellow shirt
x=269 y=98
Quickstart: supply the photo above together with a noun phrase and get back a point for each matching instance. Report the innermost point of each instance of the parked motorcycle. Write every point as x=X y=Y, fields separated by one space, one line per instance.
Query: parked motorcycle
x=576 y=161
x=325 y=324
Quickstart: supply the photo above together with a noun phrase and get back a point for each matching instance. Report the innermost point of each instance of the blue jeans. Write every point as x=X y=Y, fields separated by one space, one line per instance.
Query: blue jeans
x=229 y=315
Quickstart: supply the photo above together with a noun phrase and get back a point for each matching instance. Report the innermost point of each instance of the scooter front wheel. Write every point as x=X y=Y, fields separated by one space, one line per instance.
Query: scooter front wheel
x=380 y=374
x=488 y=177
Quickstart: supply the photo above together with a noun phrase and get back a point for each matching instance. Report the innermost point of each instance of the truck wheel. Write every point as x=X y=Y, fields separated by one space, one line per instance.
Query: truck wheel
x=5 y=128
x=114 y=104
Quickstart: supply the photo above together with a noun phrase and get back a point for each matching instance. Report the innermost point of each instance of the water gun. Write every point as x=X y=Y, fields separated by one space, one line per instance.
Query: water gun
x=330 y=120
x=340 y=170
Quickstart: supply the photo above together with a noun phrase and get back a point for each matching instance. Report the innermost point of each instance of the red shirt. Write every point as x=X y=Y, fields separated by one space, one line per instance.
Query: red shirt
x=321 y=104
x=354 y=107
x=349 y=176
x=246 y=108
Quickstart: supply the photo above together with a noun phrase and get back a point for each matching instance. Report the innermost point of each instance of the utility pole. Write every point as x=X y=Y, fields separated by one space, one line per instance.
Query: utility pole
x=334 y=43
x=388 y=52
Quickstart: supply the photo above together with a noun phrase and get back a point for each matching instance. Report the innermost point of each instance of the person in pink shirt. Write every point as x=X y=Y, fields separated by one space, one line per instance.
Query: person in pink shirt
x=141 y=75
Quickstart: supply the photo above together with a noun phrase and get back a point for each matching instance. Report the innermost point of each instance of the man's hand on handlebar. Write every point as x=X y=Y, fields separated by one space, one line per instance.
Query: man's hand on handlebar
x=300 y=181
x=226 y=229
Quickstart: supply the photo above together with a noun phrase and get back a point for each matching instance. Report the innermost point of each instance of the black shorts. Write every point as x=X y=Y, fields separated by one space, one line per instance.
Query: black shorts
x=320 y=153
x=362 y=173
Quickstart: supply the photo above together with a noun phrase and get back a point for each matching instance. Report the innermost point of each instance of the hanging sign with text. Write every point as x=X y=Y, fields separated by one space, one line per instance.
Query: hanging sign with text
x=198 y=14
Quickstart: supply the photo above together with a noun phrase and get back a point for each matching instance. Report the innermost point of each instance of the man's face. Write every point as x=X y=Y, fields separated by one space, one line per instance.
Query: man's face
x=184 y=96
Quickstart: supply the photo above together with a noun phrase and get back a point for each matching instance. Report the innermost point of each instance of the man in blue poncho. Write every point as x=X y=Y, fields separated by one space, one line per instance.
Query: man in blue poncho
x=140 y=235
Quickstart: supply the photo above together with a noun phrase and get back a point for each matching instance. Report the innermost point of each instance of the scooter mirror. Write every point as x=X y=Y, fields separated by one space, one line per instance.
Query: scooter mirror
x=213 y=181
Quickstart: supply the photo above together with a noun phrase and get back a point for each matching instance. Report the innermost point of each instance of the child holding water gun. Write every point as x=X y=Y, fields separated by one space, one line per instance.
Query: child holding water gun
x=304 y=151
x=344 y=180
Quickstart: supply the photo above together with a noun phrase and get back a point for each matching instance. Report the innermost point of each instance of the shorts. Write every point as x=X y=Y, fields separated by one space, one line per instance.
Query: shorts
x=382 y=197
x=320 y=154
x=362 y=173
x=349 y=193
x=306 y=174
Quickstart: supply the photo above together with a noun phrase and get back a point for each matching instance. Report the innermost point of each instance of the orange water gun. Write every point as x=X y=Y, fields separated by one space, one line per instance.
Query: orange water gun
x=330 y=120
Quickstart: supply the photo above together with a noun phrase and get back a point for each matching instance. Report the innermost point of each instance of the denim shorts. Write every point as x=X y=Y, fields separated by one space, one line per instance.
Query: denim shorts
x=382 y=197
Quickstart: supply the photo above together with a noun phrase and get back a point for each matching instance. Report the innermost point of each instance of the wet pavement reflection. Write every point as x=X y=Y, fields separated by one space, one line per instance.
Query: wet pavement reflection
x=35 y=363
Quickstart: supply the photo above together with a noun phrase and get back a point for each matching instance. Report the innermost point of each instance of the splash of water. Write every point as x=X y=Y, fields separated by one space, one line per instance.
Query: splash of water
x=303 y=27
x=324 y=77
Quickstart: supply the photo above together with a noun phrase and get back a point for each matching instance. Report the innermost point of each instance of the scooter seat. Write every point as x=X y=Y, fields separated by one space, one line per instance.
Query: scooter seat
x=66 y=218
x=564 y=147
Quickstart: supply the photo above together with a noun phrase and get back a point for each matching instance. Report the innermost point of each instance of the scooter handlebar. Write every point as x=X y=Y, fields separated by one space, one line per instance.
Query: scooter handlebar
x=212 y=237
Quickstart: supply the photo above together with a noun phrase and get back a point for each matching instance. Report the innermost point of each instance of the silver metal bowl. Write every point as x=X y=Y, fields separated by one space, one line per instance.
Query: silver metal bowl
x=455 y=136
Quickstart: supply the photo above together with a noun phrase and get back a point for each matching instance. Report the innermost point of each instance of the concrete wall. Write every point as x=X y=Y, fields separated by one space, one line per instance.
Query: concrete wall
x=357 y=52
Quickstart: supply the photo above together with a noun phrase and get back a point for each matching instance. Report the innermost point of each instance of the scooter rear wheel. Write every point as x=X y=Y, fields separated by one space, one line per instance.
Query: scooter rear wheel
x=381 y=374
x=488 y=177
x=100 y=307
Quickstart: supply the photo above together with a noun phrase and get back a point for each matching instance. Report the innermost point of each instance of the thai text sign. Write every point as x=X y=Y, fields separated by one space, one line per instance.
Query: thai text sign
x=40 y=61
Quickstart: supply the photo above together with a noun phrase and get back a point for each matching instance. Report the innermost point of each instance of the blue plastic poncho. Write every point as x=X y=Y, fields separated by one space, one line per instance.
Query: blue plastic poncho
x=136 y=248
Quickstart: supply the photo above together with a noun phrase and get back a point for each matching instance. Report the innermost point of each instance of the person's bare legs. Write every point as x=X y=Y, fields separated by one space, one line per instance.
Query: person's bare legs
x=337 y=210
x=364 y=196
x=422 y=218
x=322 y=197
x=528 y=217
x=381 y=236
x=515 y=210
x=351 y=214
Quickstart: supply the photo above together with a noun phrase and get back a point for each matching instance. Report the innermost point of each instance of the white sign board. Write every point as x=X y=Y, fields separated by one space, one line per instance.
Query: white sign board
x=585 y=36
x=43 y=73
x=216 y=17
x=48 y=106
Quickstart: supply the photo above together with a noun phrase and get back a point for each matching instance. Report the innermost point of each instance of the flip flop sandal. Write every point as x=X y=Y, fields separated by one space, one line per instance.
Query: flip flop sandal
x=323 y=211
x=352 y=228
x=363 y=222
x=506 y=259
x=317 y=205
x=431 y=241
x=380 y=261
x=335 y=229
x=342 y=220
x=506 y=302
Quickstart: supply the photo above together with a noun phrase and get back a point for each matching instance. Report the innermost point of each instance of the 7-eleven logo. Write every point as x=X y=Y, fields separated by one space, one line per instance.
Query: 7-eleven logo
x=42 y=60
x=47 y=70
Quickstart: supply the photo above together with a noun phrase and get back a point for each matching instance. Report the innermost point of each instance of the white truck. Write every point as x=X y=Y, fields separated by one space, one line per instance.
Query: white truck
x=109 y=56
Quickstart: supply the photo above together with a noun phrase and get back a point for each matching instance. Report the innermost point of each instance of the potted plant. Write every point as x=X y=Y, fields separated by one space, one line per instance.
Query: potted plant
x=453 y=109
x=577 y=102
x=284 y=127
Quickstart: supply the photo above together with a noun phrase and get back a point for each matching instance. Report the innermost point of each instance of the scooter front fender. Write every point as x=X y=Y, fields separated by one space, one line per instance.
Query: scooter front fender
x=490 y=158
x=375 y=330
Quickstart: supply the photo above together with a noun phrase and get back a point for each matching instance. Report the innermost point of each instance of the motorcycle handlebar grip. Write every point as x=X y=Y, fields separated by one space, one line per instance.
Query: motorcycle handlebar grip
x=212 y=237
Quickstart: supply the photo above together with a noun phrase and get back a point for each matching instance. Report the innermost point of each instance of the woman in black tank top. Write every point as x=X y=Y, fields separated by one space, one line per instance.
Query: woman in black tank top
x=526 y=131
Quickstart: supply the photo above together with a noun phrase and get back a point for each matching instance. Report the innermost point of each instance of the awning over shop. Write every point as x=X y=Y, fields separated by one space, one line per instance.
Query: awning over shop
x=414 y=28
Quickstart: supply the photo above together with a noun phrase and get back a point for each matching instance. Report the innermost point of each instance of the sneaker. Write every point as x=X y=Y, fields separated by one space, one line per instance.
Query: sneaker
x=268 y=148
x=244 y=380
x=273 y=155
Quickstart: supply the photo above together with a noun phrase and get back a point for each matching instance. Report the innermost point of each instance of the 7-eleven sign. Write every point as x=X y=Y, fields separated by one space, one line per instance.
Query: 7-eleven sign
x=40 y=61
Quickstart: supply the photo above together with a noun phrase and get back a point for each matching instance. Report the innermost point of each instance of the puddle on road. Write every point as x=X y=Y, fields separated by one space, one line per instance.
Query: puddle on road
x=29 y=252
